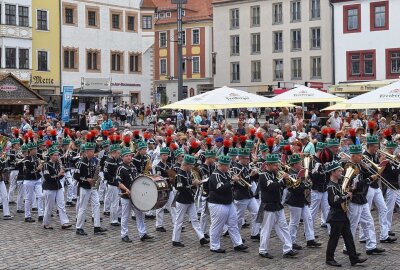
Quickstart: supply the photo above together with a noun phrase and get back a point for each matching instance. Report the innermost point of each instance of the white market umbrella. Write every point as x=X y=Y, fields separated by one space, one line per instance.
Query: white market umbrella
x=382 y=98
x=225 y=98
x=304 y=94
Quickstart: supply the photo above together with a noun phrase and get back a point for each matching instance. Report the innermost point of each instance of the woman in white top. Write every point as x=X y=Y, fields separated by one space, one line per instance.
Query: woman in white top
x=92 y=120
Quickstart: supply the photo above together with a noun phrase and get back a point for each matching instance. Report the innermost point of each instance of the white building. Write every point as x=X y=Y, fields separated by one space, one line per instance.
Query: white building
x=109 y=40
x=261 y=43
x=366 y=40
x=16 y=38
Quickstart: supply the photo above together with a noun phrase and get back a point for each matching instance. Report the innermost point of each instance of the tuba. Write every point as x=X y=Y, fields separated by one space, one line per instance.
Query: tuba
x=350 y=171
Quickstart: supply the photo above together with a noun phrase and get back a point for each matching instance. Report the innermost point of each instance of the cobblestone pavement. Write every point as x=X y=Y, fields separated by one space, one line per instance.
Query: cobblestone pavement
x=29 y=246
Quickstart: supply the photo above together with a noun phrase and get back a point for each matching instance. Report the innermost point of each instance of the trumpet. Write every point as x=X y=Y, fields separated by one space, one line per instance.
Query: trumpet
x=290 y=181
x=391 y=158
x=241 y=181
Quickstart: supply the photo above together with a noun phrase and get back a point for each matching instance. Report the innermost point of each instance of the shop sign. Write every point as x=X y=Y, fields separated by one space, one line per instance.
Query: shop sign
x=8 y=88
x=126 y=84
x=42 y=80
x=95 y=84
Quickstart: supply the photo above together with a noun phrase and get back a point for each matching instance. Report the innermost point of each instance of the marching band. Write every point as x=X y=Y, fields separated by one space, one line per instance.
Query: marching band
x=213 y=180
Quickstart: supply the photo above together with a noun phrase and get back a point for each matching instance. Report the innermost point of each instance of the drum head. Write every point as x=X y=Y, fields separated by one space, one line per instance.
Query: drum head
x=144 y=193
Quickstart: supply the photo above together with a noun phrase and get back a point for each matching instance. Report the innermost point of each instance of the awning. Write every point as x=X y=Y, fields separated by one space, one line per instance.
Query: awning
x=22 y=102
x=359 y=87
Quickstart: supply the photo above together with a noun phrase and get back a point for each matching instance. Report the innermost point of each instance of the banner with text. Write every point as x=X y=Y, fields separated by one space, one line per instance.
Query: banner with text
x=66 y=103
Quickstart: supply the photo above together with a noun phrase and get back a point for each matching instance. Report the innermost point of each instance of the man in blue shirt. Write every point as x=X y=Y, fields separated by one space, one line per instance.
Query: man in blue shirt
x=107 y=124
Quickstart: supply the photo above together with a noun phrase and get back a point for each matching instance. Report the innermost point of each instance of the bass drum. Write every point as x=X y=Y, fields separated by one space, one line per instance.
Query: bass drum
x=149 y=192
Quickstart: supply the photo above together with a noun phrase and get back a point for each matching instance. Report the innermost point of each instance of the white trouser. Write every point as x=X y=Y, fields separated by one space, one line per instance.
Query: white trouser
x=295 y=214
x=376 y=196
x=204 y=214
x=127 y=207
x=200 y=202
x=160 y=211
x=51 y=198
x=319 y=200
x=277 y=221
x=221 y=215
x=20 y=195
x=361 y=214
x=107 y=200
x=4 y=198
x=252 y=206
x=284 y=194
x=86 y=195
x=392 y=198
x=102 y=187
x=114 y=200
x=70 y=187
x=181 y=210
x=13 y=185
x=33 y=189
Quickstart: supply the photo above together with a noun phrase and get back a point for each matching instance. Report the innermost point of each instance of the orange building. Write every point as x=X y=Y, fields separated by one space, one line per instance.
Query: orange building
x=198 y=57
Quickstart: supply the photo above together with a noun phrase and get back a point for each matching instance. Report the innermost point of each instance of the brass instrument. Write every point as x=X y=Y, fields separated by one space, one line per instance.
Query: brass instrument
x=96 y=175
x=148 y=166
x=350 y=171
x=306 y=166
x=290 y=182
x=391 y=158
x=196 y=175
x=241 y=181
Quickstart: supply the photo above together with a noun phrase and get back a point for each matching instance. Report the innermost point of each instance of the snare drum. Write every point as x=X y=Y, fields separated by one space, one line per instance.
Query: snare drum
x=149 y=192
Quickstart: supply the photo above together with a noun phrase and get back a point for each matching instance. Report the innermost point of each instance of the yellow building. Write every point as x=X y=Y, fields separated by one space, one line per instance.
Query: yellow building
x=46 y=51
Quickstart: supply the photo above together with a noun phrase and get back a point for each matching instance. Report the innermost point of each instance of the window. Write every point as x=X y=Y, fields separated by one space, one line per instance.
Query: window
x=135 y=63
x=392 y=63
x=92 y=18
x=116 y=21
x=255 y=71
x=163 y=66
x=163 y=40
x=255 y=43
x=70 y=58
x=296 y=40
x=147 y=22
x=234 y=18
x=315 y=9
x=379 y=15
x=161 y=15
x=196 y=65
x=235 y=45
x=195 y=37
x=117 y=61
x=42 y=61
x=92 y=57
x=352 y=18
x=255 y=16
x=278 y=69
x=11 y=58
x=296 y=68
x=69 y=16
x=23 y=14
x=131 y=23
x=11 y=14
x=42 y=20
x=235 y=72
x=23 y=58
x=315 y=38
x=168 y=14
x=361 y=65
x=277 y=13
x=278 y=41
x=315 y=67
x=295 y=10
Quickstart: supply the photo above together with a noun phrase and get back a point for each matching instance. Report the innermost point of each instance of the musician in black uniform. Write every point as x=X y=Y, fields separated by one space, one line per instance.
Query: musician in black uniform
x=103 y=155
x=3 y=189
x=179 y=154
x=126 y=174
x=110 y=171
x=244 y=198
x=66 y=157
x=20 y=166
x=141 y=158
x=184 y=184
x=337 y=218
x=53 y=190
x=222 y=209
x=15 y=155
x=161 y=169
x=85 y=174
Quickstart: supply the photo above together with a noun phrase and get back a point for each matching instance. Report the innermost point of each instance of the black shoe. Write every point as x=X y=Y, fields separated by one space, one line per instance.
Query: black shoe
x=66 y=226
x=183 y=229
x=255 y=237
x=392 y=233
x=359 y=260
x=206 y=236
x=47 y=227
x=290 y=254
x=363 y=241
x=177 y=244
x=375 y=251
x=101 y=202
x=389 y=239
x=75 y=200
x=133 y=217
x=40 y=218
x=106 y=214
x=204 y=241
x=161 y=229
x=226 y=233
x=166 y=211
x=296 y=246
x=8 y=217
x=80 y=232
x=20 y=211
x=218 y=250
x=324 y=226
x=240 y=248
x=346 y=253
x=115 y=224
x=126 y=239
x=245 y=225
x=333 y=263
x=312 y=243
x=34 y=209
x=69 y=204
x=266 y=255
x=99 y=230
x=12 y=203
x=119 y=220
x=29 y=219
x=149 y=217
x=146 y=237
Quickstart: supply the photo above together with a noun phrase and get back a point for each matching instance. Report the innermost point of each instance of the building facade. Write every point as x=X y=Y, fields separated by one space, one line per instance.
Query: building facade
x=16 y=38
x=197 y=40
x=108 y=40
x=260 y=43
x=46 y=42
x=366 y=40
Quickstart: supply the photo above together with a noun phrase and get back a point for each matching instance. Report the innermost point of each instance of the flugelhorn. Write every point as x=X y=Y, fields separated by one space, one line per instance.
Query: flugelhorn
x=241 y=181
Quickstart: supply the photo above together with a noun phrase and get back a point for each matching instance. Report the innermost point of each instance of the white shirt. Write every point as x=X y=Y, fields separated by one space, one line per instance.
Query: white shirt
x=356 y=123
x=335 y=122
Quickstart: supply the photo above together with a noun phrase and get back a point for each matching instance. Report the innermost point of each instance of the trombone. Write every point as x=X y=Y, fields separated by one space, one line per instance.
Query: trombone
x=391 y=158
x=241 y=181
